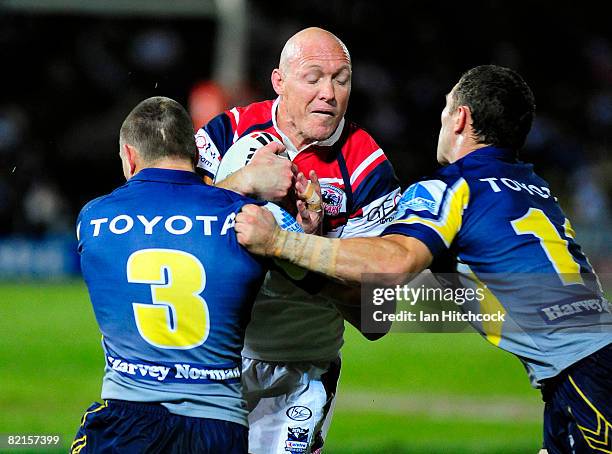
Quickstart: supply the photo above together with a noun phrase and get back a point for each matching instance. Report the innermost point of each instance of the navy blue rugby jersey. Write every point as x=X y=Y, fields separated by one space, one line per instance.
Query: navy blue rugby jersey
x=172 y=291
x=492 y=220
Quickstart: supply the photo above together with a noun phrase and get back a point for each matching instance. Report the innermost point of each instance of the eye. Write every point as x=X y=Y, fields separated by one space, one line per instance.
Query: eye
x=342 y=78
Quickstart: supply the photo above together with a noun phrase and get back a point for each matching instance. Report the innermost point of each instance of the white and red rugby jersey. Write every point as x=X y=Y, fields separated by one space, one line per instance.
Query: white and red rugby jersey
x=358 y=184
x=290 y=321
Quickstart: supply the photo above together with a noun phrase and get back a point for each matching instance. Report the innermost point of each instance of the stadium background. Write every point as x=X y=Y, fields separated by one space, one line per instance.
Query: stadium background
x=71 y=70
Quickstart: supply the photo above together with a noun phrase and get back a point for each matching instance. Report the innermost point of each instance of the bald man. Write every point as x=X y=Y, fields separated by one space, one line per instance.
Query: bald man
x=291 y=360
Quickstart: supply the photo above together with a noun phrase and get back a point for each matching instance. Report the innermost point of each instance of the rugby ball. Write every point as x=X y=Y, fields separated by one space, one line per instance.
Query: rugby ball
x=242 y=151
x=287 y=222
x=238 y=156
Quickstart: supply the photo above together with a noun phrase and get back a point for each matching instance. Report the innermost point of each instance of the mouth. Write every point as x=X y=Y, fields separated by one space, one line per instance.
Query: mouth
x=328 y=113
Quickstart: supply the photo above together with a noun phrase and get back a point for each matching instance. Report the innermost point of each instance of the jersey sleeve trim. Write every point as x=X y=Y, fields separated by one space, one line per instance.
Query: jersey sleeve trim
x=379 y=182
x=445 y=227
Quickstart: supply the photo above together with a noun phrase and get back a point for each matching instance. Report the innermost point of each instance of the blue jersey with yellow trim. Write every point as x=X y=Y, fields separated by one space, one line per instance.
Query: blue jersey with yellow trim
x=490 y=218
x=172 y=291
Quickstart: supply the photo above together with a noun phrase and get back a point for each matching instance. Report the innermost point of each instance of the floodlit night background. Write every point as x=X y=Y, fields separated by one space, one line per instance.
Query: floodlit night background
x=72 y=70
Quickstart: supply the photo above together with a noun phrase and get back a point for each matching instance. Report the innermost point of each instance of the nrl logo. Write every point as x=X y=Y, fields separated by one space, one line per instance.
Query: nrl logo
x=297 y=434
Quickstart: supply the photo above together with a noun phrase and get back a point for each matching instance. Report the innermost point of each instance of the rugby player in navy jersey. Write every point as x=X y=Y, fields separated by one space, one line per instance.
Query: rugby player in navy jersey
x=499 y=225
x=172 y=292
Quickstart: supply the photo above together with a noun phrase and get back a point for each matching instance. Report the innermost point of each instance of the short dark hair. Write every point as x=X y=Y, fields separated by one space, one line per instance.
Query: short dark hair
x=158 y=128
x=501 y=103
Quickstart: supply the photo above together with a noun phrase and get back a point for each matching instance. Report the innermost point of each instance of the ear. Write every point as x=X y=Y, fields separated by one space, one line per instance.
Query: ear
x=277 y=81
x=463 y=117
x=130 y=158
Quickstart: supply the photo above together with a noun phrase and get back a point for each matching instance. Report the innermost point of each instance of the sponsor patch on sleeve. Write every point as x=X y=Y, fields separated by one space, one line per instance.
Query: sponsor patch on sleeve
x=423 y=196
x=208 y=153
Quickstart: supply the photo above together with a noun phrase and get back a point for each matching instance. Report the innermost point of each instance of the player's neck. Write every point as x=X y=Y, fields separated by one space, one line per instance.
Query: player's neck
x=464 y=145
x=290 y=130
x=170 y=164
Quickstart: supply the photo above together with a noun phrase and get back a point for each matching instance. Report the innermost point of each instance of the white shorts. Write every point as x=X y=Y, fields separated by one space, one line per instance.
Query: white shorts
x=290 y=404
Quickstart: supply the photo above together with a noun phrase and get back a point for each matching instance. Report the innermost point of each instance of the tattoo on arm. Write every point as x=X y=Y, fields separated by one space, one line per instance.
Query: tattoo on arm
x=308 y=251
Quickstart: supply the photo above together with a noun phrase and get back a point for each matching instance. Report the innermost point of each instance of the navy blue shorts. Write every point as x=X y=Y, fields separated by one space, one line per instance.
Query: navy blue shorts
x=130 y=427
x=578 y=407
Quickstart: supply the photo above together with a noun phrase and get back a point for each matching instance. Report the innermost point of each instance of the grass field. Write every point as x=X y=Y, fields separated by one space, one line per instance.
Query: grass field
x=406 y=393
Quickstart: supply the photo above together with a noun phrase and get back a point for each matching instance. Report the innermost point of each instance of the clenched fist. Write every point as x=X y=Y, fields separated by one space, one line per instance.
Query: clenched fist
x=256 y=229
x=269 y=176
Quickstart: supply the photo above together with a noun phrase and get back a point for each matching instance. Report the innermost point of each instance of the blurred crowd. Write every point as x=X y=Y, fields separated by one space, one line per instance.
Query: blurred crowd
x=69 y=80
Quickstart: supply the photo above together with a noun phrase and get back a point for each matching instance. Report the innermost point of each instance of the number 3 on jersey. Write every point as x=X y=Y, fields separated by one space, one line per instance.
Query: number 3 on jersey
x=178 y=317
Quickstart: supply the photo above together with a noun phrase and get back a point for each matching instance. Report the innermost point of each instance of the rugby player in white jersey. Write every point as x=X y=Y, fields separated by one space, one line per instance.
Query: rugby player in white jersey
x=291 y=360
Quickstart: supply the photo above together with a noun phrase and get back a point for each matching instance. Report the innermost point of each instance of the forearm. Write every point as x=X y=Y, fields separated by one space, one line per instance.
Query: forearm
x=345 y=260
x=237 y=182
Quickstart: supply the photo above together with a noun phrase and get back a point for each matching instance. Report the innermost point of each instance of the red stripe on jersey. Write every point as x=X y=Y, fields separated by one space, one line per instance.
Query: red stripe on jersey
x=358 y=147
x=365 y=172
x=334 y=223
x=356 y=214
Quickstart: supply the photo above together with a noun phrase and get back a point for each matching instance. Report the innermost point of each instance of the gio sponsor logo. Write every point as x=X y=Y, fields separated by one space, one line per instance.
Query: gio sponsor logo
x=297 y=440
x=423 y=196
x=299 y=413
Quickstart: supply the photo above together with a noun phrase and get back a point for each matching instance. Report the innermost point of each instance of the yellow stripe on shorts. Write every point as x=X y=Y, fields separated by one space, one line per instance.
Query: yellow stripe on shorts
x=102 y=406
x=598 y=439
x=75 y=448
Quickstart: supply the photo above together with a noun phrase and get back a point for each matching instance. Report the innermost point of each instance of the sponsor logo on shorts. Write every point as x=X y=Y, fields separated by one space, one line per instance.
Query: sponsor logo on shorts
x=297 y=440
x=299 y=413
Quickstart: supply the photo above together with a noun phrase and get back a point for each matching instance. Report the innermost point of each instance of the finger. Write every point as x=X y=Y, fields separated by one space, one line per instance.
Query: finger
x=273 y=148
x=301 y=206
x=241 y=222
x=276 y=147
x=294 y=169
x=313 y=197
x=300 y=184
x=242 y=239
x=249 y=209
x=315 y=179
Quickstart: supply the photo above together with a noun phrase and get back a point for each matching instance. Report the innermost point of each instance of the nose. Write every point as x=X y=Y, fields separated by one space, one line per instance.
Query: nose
x=326 y=90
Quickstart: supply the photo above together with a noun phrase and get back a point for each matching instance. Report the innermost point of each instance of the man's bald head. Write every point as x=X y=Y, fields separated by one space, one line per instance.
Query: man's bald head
x=313 y=83
x=311 y=41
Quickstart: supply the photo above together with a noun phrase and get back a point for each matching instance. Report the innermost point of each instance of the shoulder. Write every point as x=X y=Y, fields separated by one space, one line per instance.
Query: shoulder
x=357 y=143
x=363 y=156
x=241 y=117
x=94 y=204
x=429 y=194
x=229 y=197
x=255 y=114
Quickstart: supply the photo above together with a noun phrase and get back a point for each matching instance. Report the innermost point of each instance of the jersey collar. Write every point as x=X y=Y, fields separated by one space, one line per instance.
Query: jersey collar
x=291 y=150
x=167 y=176
x=506 y=154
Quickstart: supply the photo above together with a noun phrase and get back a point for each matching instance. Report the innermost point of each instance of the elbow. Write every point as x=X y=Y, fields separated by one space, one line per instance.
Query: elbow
x=398 y=269
x=374 y=336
